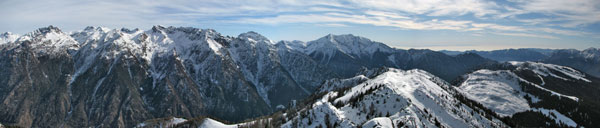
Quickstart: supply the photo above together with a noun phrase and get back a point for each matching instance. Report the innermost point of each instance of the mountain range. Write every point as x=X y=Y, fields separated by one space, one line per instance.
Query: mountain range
x=183 y=76
x=587 y=60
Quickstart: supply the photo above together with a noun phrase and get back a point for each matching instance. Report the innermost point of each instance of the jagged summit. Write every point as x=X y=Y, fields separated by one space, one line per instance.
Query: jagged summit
x=46 y=40
x=7 y=37
x=92 y=28
x=48 y=29
x=5 y=34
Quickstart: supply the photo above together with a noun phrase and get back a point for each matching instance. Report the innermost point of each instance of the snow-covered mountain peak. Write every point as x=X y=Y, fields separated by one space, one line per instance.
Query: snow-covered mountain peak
x=592 y=53
x=557 y=71
x=8 y=37
x=183 y=39
x=6 y=34
x=49 y=29
x=345 y=39
x=405 y=81
x=90 y=33
x=254 y=37
x=348 y=44
x=48 y=39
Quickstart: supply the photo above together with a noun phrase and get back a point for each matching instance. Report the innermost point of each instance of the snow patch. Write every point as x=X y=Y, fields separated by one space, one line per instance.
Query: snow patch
x=558 y=117
x=210 y=123
x=176 y=120
x=379 y=122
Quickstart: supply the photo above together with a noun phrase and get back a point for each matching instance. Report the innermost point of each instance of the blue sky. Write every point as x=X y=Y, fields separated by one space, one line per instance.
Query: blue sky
x=434 y=24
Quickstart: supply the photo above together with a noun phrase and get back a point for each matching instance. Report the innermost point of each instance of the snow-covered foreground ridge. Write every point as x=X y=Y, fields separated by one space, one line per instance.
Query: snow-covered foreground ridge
x=412 y=98
x=394 y=98
x=415 y=98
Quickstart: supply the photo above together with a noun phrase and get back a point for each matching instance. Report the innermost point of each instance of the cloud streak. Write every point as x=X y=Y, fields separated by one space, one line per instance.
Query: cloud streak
x=556 y=18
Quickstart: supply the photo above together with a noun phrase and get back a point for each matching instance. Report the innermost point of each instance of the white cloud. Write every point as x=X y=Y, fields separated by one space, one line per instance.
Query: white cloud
x=497 y=27
x=432 y=7
x=573 y=12
x=333 y=25
x=563 y=32
x=390 y=15
x=376 y=20
x=403 y=14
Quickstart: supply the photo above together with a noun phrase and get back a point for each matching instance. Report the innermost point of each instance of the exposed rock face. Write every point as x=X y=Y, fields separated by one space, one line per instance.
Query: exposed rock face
x=121 y=77
x=115 y=78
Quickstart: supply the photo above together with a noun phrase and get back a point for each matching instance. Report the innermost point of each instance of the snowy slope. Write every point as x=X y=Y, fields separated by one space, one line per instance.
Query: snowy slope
x=411 y=98
x=557 y=116
x=546 y=70
x=497 y=90
x=504 y=91
x=379 y=122
x=500 y=90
